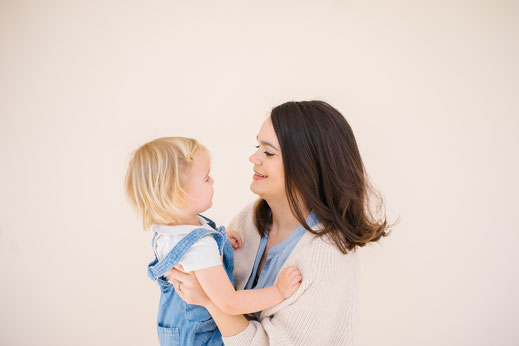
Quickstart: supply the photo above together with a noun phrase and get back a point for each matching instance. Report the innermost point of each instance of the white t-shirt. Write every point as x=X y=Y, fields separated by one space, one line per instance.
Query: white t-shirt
x=203 y=254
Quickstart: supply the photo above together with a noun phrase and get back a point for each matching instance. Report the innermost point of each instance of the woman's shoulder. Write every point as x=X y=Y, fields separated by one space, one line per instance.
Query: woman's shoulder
x=324 y=259
x=326 y=247
x=243 y=221
x=247 y=210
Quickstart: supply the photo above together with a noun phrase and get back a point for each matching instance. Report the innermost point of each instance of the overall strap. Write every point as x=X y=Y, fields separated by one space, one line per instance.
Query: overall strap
x=220 y=240
x=209 y=221
x=178 y=252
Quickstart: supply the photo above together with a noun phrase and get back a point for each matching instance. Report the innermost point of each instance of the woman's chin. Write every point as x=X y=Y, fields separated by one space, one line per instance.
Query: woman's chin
x=254 y=189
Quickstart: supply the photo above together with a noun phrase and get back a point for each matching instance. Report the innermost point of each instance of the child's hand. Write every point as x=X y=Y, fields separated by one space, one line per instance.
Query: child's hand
x=234 y=239
x=289 y=281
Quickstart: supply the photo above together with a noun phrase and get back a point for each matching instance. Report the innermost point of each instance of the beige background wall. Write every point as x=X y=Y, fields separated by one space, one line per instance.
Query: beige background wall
x=431 y=91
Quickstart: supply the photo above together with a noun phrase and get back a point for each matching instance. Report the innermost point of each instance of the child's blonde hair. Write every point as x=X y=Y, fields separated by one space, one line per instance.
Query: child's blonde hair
x=154 y=178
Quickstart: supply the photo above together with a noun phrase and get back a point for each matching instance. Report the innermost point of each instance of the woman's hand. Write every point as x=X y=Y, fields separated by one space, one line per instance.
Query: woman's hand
x=188 y=287
x=192 y=293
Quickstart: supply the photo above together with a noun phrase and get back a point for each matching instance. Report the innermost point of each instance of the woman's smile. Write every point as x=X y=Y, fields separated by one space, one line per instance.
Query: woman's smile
x=258 y=176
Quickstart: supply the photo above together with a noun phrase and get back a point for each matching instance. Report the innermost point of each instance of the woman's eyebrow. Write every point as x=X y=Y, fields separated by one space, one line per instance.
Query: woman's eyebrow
x=267 y=143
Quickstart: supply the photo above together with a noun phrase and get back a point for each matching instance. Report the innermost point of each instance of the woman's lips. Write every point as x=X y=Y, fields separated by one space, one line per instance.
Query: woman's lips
x=257 y=176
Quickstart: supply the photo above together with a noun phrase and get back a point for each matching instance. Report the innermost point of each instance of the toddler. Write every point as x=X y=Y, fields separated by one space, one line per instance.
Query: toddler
x=169 y=185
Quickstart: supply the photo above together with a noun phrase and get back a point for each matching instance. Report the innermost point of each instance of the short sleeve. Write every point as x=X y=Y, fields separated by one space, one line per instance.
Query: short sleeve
x=203 y=254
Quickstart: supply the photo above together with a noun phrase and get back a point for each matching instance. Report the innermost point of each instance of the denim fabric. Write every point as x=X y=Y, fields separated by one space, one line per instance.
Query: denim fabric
x=277 y=256
x=179 y=323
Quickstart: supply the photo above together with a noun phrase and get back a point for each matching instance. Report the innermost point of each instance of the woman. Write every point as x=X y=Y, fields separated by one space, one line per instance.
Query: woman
x=313 y=212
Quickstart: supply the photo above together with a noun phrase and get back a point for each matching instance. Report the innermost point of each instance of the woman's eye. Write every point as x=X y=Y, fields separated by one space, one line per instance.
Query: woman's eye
x=265 y=152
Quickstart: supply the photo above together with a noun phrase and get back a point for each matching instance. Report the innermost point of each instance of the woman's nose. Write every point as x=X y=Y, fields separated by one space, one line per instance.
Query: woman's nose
x=254 y=159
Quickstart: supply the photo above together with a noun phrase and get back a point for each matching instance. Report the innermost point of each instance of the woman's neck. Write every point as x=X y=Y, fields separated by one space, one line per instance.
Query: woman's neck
x=283 y=221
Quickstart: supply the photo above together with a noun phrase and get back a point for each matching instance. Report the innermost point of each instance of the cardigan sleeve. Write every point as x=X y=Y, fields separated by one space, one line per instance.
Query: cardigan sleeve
x=325 y=312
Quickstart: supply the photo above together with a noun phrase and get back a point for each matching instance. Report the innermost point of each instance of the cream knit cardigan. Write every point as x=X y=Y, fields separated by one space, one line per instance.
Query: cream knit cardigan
x=323 y=311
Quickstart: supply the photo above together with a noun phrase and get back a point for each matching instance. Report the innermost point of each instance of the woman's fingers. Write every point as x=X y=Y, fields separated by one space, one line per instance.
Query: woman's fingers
x=173 y=281
x=181 y=294
x=180 y=267
x=179 y=275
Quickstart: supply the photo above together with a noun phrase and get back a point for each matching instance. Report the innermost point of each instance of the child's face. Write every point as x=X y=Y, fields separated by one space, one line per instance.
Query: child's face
x=198 y=184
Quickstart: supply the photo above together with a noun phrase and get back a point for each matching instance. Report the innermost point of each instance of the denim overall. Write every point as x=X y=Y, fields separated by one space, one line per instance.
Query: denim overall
x=179 y=323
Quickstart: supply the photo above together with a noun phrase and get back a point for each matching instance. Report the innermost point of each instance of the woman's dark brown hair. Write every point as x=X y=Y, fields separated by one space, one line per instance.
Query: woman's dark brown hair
x=324 y=169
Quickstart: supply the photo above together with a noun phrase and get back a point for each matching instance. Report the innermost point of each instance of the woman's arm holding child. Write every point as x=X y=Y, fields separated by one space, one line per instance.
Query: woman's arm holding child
x=216 y=284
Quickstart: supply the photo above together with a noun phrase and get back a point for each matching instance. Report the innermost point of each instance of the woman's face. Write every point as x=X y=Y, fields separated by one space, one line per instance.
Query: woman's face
x=268 y=180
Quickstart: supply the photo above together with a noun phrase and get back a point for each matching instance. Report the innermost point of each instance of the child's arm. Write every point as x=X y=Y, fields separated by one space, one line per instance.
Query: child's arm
x=216 y=284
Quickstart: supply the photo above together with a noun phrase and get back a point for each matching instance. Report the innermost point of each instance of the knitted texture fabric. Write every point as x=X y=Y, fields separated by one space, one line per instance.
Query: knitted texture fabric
x=323 y=311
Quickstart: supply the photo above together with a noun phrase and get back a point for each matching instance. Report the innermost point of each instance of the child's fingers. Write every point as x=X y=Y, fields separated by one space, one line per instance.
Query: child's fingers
x=292 y=269
x=234 y=243
x=287 y=274
x=294 y=280
x=294 y=273
x=297 y=283
x=239 y=241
